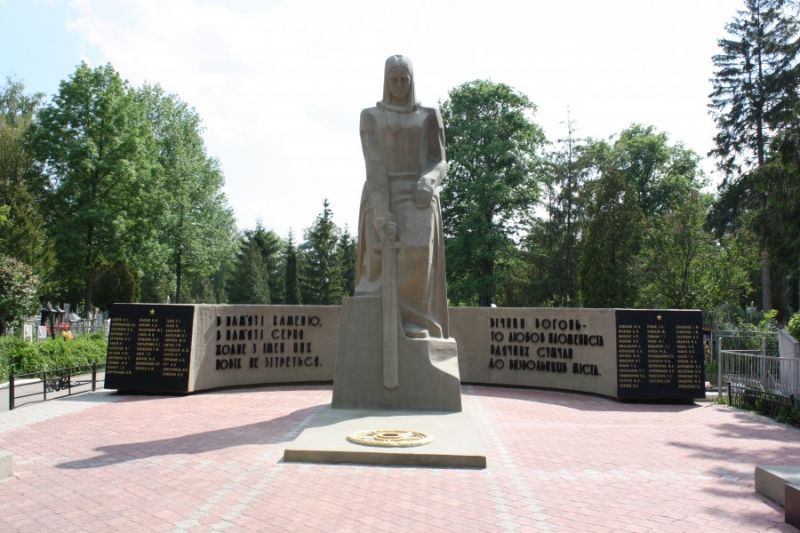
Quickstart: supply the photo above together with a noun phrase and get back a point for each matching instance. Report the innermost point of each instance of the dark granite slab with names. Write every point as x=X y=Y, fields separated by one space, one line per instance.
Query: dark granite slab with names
x=660 y=355
x=149 y=348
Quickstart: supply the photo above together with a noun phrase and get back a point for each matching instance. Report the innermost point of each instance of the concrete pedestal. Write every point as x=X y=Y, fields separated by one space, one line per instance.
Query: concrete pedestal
x=456 y=443
x=771 y=481
x=427 y=368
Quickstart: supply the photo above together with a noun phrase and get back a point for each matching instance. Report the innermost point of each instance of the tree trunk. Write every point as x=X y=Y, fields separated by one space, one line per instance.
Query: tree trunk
x=179 y=260
x=87 y=289
x=178 y=274
x=484 y=288
x=766 y=282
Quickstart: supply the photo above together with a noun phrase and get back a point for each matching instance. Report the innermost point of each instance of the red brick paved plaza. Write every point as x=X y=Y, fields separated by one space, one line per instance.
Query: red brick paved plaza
x=556 y=462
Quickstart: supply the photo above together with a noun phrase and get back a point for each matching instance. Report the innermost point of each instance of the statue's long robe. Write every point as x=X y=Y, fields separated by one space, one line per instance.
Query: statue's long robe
x=404 y=150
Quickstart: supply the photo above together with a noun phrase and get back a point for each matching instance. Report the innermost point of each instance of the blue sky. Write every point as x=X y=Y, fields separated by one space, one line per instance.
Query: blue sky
x=280 y=84
x=36 y=45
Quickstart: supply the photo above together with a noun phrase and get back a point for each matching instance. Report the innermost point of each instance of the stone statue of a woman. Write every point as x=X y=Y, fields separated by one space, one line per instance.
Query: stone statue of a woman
x=403 y=144
x=394 y=347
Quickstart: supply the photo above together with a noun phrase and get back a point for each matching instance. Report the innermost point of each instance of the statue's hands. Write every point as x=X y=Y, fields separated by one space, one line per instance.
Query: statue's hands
x=423 y=195
x=386 y=227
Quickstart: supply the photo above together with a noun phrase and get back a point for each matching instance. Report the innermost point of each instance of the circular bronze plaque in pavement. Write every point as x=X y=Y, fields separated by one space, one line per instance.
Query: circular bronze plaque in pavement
x=390 y=438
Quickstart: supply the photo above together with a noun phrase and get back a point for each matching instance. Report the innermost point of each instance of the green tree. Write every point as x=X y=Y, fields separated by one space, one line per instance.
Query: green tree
x=291 y=274
x=320 y=273
x=117 y=282
x=249 y=283
x=788 y=196
x=492 y=146
x=17 y=292
x=95 y=146
x=24 y=236
x=612 y=240
x=273 y=251
x=551 y=250
x=682 y=266
x=195 y=225
x=346 y=251
x=641 y=176
x=755 y=87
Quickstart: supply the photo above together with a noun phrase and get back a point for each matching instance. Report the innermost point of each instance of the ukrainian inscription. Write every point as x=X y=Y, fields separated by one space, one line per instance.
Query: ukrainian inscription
x=263 y=340
x=149 y=348
x=548 y=345
x=660 y=355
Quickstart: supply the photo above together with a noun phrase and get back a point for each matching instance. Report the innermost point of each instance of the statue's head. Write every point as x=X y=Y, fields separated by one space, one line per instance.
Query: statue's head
x=398 y=83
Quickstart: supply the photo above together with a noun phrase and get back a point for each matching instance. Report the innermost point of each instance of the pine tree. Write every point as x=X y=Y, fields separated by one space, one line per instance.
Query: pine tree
x=272 y=250
x=754 y=90
x=291 y=284
x=552 y=246
x=250 y=281
x=320 y=273
x=346 y=251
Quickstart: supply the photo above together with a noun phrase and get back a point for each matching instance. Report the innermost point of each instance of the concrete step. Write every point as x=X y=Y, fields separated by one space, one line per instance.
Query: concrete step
x=771 y=481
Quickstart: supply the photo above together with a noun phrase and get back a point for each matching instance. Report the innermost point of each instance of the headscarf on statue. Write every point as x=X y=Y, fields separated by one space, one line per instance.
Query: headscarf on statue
x=411 y=105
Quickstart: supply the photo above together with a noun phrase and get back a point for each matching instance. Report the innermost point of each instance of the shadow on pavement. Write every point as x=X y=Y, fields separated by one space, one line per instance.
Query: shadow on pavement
x=281 y=429
x=572 y=400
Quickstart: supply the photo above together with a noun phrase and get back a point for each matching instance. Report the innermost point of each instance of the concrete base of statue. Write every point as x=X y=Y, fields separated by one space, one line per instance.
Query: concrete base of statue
x=455 y=441
x=427 y=368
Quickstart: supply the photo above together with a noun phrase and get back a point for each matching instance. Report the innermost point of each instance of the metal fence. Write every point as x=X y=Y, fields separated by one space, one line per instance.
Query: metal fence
x=753 y=375
x=33 y=331
x=51 y=384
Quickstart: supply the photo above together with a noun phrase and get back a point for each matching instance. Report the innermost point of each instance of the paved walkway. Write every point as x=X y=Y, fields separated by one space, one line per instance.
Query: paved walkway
x=557 y=462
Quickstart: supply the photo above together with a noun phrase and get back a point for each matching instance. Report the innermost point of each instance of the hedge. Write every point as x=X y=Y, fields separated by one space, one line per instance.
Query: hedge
x=23 y=357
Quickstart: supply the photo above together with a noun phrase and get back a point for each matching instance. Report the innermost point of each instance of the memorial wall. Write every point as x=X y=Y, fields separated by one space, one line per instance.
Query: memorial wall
x=628 y=354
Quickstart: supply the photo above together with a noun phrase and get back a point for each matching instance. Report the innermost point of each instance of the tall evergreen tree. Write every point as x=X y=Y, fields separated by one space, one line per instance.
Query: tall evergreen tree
x=551 y=248
x=273 y=251
x=320 y=273
x=249 y=283
x=291 y=275
x=755 y=88
x=346 y=251
x=612 y=239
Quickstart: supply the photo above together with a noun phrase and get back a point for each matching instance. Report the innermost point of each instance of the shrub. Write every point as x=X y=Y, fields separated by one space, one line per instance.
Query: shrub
x=793 y=327
x=790 y=415
x=22 y=357
x=17 y=291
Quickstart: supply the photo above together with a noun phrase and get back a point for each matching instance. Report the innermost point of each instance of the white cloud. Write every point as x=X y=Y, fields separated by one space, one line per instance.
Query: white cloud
x=279 y=85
